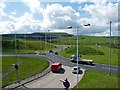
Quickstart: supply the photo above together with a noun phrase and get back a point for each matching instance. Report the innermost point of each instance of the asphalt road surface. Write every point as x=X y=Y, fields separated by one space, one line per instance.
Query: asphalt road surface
x=67 y=62
x=52 y=80
x=94 y=66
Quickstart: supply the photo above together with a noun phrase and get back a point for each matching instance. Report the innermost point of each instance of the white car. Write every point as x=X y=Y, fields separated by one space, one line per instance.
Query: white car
x=74 y=69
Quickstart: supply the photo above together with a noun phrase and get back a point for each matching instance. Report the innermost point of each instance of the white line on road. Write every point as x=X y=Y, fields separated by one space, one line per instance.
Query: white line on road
x=89 y=65
x=108 y=68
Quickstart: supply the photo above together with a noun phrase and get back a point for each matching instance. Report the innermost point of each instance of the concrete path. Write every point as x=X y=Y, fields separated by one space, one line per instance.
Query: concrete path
x=52 y=80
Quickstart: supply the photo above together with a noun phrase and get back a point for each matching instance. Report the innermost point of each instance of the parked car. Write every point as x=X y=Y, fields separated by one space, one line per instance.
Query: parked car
x=74 y=69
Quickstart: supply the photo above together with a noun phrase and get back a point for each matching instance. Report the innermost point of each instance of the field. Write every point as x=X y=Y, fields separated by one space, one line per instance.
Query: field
x=86 y=40
x=25 y=46
x=28 y=66
x=98 y=54
x=94 y=79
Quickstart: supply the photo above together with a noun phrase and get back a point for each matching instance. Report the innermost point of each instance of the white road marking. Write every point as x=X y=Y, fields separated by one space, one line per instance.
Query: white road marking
x=108 y=68
x=89 y=65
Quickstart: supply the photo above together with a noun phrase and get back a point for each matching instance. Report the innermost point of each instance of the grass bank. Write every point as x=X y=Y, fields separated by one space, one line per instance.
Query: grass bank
x=98 y=54
x=28 y=66
x=95 y=79
x=26 y=46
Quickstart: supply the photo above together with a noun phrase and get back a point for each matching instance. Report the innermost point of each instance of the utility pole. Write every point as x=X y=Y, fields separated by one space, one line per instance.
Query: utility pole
x=77 y=57
x=110 y=50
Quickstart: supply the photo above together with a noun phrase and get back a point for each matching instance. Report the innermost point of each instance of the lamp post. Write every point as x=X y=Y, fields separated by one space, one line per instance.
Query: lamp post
x=16 y=66
x=97 y=49
x=46 y=40
x=50 y=36
x=77 y=29
x=15 y=46
x=110 y=51
x=25 y=41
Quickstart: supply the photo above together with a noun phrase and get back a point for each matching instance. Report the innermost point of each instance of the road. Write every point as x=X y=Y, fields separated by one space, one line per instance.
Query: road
x=94 y=66
x=67 y=62
x=52 y=80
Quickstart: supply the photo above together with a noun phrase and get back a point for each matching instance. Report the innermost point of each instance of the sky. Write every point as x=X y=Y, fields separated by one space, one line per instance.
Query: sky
x=28 y=16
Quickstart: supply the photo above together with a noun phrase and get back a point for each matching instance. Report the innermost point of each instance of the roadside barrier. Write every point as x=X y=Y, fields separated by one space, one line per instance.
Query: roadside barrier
x=23 y=81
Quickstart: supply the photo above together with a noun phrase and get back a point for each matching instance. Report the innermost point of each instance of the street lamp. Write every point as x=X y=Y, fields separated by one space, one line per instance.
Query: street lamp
x=77 y=28
x=50 y=37
x=46 y=39
x=16 y=68
x=25 y=41
x=15 y=46
x=110 y=50
x=97 y=49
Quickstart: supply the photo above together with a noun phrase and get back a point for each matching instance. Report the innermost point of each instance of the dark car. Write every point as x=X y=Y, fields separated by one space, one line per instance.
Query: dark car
x=56 y=53
x=50 y=51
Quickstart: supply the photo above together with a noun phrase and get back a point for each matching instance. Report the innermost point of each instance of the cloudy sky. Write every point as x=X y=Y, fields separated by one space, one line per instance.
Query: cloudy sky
x=28 y=16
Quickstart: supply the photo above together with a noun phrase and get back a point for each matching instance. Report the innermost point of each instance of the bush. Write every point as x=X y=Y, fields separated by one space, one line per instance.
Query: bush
x=84 y=51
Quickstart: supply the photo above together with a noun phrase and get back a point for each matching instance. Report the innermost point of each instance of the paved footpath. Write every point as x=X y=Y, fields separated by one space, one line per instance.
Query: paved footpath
x=52 y=80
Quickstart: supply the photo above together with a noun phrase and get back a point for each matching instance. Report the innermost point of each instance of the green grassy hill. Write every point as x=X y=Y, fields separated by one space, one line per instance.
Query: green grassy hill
x=98 y=54
x=86 y=40
x=28 y=45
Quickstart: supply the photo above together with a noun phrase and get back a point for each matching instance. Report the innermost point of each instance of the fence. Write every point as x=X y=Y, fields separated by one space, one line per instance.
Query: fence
x=21 y=82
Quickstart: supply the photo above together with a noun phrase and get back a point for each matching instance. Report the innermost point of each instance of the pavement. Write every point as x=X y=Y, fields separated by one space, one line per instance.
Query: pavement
x=52 y=80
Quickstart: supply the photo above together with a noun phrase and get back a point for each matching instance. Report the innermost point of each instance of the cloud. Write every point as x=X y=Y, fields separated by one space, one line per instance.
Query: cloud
x=59 y=16
x=13 y=13
x=108 y=11
x=2 y=6
x=33 y=5
x=78 y=1
x=102 y=14
x=6 y=27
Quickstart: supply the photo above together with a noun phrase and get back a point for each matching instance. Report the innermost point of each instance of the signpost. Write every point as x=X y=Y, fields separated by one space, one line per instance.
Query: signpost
x=16 y=68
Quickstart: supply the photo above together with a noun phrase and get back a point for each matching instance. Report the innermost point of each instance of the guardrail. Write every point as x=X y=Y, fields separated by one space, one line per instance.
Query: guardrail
x=23 y=81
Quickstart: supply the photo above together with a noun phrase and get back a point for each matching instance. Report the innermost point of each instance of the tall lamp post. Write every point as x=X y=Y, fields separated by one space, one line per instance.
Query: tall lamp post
x=77 y=29
x=15 y=46
x=110 y=51
x=25 y=42
x=46 y=39
x=16 y=66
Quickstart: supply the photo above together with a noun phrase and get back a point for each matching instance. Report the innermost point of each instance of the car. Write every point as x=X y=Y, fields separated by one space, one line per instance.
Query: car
x=50 y=51
x=56 y=53
x=56 y=66
x=74 y=69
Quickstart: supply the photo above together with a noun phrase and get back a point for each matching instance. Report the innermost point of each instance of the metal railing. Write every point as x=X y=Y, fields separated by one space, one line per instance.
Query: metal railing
x=23 y=81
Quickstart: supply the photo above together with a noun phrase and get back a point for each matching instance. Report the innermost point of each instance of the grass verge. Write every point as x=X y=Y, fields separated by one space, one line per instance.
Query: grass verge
x=95 y=79
x=29 y=66
x=96 y=57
